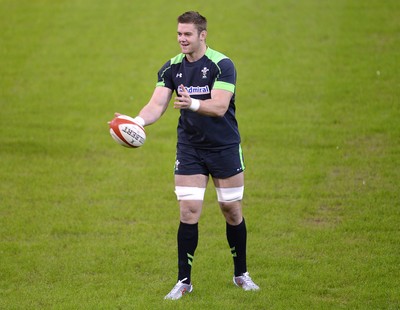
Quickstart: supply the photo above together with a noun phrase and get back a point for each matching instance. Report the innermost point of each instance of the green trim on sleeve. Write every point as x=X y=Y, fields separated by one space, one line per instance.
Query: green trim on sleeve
x=224 y=86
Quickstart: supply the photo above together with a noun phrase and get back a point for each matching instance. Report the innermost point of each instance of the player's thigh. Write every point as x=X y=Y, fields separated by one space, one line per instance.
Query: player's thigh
x=230 y=193
x=236 y=180
x=196 y=180
x=190 y=186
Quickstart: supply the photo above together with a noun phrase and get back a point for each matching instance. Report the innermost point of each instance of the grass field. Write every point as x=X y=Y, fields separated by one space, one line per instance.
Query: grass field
x=87 y=224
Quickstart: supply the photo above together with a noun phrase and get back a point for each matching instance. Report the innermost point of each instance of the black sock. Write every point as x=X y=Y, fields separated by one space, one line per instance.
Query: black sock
x=237 y=238
x=188 y=235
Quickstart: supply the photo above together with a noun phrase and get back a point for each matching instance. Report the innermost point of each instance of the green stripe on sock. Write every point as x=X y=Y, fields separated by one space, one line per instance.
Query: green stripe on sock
x=233 y=251
x=190 y=258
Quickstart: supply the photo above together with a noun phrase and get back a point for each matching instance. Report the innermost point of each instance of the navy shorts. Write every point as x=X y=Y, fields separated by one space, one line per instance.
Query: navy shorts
x=220 y=164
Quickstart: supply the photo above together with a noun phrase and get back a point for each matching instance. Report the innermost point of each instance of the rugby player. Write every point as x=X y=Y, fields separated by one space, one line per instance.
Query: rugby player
x=204 y=82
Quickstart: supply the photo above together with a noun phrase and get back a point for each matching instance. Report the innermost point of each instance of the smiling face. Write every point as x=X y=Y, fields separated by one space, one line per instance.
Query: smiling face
x=192 y=43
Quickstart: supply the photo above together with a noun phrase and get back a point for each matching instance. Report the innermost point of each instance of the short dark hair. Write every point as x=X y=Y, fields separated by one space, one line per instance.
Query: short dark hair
x=192 y=17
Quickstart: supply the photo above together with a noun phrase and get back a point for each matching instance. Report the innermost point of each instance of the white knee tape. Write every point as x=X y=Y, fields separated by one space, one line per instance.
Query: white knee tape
x=189 y=193
x=229 y=194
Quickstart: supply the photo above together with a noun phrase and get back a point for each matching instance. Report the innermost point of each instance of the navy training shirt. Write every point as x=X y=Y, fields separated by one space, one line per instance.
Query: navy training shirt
x=213 y=71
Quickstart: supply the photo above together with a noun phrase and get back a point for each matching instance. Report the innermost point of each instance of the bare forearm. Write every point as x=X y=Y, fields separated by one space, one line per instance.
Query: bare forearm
x=157 y=105
x=151 y=113
x=211 y=107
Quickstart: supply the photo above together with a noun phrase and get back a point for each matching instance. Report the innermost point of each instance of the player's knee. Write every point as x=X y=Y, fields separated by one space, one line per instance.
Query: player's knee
x=190 y=211
x=232 y=212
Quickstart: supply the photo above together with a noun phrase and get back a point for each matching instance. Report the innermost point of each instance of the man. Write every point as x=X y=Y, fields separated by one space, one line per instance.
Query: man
x=208 y=144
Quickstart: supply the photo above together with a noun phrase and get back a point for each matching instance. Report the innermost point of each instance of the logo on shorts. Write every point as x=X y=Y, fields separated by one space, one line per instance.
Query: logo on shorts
x=177 y=162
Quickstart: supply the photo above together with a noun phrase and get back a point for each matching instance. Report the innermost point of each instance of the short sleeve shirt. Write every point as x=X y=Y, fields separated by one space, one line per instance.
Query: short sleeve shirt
x=213 y=71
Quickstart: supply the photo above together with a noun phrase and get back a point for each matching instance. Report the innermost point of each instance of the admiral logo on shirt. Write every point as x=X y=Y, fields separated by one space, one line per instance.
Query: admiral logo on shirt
x=196 y=90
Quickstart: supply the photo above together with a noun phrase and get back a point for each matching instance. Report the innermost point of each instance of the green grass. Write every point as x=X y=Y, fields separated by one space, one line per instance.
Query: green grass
x=87 y=224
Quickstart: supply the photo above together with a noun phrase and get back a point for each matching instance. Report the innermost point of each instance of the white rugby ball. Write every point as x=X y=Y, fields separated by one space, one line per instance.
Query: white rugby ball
x=127 y=132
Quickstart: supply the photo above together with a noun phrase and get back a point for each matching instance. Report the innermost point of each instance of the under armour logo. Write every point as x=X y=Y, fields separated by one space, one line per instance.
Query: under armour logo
x=179 y=75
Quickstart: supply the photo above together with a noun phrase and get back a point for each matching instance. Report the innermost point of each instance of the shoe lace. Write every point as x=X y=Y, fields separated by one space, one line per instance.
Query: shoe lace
x=247 y=279
x=177 y=286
